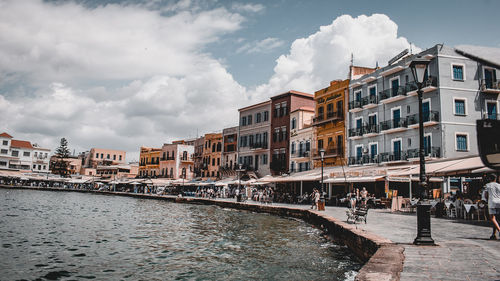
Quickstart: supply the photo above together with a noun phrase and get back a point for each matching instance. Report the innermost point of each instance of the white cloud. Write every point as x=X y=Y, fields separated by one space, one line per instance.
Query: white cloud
x=325 y=55
x=253 y=8
x=263 y=46
x=113 y=76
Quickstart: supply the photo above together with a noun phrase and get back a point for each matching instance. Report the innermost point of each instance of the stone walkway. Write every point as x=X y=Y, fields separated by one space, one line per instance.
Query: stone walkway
x=464 y=251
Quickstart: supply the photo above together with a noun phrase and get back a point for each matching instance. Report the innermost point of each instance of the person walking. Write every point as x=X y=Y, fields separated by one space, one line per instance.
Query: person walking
x=313 y=199
x=316 y=199
x=364 y=196
x=493 y=195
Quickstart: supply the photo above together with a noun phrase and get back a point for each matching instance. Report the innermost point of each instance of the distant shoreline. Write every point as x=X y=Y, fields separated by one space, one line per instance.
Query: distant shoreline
x=383 y=259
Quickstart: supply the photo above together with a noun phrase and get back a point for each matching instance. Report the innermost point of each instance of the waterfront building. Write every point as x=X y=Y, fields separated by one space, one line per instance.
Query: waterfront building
x=22 y=155
x=383 y=108
x=177 y=160
x=117 y=171
x=73 y=164
x=229 y=152
x=212 y=154
x=282 y=105
x=253 y=138
x=301 y=139
x=100 y=156
x=329 y=123
x=199 y=143
x=149 y=165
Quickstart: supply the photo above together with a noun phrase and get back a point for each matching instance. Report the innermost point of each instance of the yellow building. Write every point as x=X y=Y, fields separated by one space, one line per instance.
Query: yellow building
x=149 y=165
x=329 y=123
x=212 y=156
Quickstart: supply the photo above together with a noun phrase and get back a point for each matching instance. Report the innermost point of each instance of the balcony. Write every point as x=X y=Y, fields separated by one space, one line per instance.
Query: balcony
x=394 y=125
x=258 y=145
x=365 y=159
x=430 y=84
x=433 y=152
x=430 y=118
x=490 y=86
x=331 y=116
x=355 y=106
x=392 y=95
x=300 y=153
x=329 y=152
x=356 y=132
x=186 y=159
x=396 y=156
x=369 y=102
x=167 y=158
x=371 y=130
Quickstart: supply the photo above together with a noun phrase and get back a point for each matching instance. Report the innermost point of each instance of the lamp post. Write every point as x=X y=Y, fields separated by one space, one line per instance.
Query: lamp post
x=322 y=198
x=418 y=67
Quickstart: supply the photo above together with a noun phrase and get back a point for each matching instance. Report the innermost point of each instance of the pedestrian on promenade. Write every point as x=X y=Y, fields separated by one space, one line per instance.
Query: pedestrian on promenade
x=316 y=199
x=364 y=195
x=493 y=196
x=313 y=198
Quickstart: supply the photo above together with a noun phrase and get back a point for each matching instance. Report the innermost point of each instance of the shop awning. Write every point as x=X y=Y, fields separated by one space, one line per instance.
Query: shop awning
x=355 y=179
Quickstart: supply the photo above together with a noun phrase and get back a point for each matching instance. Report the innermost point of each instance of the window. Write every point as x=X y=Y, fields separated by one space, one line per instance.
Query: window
x=5 y=142
x=102 y=155
x=213 y=161
x=276 y=110
x=491 y=110
x=4 y=151
x=250 y=140
x=15 y=153
x=264 y=159
x=218 y=161
x=292 y=167
x=293 y=148
x=26 y=154
x=461 y=142
x=294 y=123
x=320 y=113
x=243 y=121
x=114 y=157
x=320 y=144
x=249 y=120
x=258 y=117
x=373 y=150
x=284 y=135
x=284 y=109
x=276 y=134
x=308 y=146
x=460 y=107
x=120 y=157
x=34 y=167
x=458 y=72
x=264 y=139
x=357 y=96
x=266 y=116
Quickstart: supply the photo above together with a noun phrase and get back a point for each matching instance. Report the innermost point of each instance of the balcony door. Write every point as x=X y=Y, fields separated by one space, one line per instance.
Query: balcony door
x=491 y=107
x=373 y=150
x=396 y=148
x=427 y=145
x=256 y=162
x=489 y=77
x=359 y=152
x=373 y=95
x=426 y=111
x=395 y=87
x=396 y=118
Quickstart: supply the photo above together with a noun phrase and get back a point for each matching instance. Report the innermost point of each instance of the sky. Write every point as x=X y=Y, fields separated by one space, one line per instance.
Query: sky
x=125 y=74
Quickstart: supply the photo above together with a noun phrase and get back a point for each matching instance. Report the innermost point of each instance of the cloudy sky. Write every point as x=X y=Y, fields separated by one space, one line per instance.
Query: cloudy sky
x=121 y=74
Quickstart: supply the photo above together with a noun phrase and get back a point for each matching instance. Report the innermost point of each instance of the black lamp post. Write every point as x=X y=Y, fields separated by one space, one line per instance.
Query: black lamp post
x=418 y=67
x=322 y=198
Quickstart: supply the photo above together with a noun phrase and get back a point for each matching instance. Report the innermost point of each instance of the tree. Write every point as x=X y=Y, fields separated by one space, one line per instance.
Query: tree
x=60 y=166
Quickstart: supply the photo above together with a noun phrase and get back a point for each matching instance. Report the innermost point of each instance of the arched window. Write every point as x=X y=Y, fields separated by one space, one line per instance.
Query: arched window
x=219 y=147
x=171 y=172
x=184 y=155
x=294 y=123
x=213 y=147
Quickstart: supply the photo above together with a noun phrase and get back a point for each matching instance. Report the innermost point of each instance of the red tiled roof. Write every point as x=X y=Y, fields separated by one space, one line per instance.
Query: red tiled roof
x=5 y=135
x=21 y=144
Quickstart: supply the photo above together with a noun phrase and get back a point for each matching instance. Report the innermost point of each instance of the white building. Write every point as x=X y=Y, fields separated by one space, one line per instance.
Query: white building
x=22 y=155
x=301 y=138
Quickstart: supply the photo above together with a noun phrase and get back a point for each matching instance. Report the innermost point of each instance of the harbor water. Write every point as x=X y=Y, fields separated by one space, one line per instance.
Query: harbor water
x=49 y=235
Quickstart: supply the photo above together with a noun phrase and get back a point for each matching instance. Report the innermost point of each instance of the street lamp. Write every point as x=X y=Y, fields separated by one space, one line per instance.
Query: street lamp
x=418 y=67
x=322 y=198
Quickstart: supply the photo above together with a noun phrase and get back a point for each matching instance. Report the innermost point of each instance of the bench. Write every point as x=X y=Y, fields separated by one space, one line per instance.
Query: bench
x=357 y=215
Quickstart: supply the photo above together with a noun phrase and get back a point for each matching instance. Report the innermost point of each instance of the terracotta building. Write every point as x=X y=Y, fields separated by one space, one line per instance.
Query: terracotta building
x=199 y=144
x=281 y=106
x=229 y=151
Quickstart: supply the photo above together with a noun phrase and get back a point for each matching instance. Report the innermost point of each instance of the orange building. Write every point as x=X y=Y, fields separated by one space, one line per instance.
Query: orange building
x=329 y=123
x=212 y=156
x=149 y=165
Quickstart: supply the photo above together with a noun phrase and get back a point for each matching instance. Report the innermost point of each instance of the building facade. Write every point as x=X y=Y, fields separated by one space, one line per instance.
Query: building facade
x=281 y=106
x=176 y=161
x=253 y=138
x=149 y=163
x=301 y=139
x=100 y=156
x=383 y=109
x=329 y=122
x=199 y=144
x=229 y=152
x=22 y=155
x=212 y=155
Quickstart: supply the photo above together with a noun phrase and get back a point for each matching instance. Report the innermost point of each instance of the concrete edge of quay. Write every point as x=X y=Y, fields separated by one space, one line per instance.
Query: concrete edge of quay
x=383 y=258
